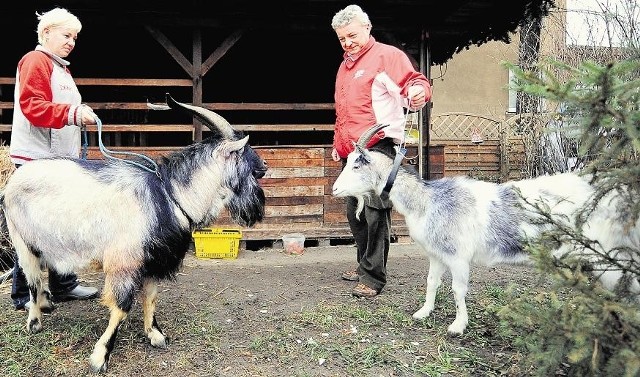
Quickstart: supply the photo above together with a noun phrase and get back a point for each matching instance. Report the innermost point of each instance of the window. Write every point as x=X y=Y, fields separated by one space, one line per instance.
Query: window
x=600 y=22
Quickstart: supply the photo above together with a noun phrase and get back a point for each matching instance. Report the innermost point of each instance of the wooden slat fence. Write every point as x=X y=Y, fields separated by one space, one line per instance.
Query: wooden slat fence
x=478 y=146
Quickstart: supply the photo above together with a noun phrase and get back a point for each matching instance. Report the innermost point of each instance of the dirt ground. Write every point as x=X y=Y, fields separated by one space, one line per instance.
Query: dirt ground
x=244 y=317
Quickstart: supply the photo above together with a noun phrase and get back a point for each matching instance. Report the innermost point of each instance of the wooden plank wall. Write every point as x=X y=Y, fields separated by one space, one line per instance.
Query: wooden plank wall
x=492 y=160
x=298 y=187
x=480 y=161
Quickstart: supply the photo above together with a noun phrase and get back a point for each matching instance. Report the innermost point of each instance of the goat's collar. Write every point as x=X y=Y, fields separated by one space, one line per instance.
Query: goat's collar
x=400 y=153
x=173 y=198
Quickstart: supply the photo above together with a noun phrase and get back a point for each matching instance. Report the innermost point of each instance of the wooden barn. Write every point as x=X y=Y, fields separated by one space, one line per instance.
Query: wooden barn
x=268 y=67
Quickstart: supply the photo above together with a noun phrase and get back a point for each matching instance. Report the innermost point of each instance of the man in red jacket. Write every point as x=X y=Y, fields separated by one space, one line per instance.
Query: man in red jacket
x=375 y=84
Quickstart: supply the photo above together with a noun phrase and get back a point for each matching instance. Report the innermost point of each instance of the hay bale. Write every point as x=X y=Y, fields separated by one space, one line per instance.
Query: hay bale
x=6 y=248
x=6 y=166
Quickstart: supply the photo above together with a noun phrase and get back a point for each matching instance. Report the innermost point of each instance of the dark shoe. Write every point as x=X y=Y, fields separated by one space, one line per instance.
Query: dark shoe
x=362 y=290
x=351 y=275
x=21 y=303
x=77 y=293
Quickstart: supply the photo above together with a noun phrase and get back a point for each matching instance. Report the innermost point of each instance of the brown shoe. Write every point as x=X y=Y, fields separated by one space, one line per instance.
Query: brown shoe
x=362 y=290
x=351 y=275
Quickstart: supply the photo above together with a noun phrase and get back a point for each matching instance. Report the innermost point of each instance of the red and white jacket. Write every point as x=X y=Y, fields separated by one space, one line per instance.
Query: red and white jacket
x=46 y=102
x=371 y=88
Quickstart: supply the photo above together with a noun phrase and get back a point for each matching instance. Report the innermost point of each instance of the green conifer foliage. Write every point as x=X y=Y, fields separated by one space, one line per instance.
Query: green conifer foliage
x=574 y=326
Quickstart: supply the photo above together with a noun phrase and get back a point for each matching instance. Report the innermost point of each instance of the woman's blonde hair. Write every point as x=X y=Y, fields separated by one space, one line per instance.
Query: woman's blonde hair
x=57 y=17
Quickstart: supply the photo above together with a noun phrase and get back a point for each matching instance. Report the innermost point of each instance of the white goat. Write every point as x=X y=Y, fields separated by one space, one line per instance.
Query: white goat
x=459 y=221
x=64 y=213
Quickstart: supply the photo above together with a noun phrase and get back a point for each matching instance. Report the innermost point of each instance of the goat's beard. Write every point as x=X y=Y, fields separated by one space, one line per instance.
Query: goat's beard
x=247 y=208
x=360 y=206
x=246 y=205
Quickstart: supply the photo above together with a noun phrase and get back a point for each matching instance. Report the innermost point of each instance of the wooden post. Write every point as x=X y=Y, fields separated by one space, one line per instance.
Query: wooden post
x=197 y=80
x=424 y=140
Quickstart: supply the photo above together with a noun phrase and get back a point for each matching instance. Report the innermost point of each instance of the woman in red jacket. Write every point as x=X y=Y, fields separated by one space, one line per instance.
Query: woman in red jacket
x=375 y=83
x=47 y=117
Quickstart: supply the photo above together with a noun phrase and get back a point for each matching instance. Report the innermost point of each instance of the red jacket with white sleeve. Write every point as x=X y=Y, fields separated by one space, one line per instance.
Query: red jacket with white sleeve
x=46 y=102
x=371 y=88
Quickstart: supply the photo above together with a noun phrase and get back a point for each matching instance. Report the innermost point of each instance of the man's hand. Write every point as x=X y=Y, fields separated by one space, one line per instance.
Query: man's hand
x=416 y=97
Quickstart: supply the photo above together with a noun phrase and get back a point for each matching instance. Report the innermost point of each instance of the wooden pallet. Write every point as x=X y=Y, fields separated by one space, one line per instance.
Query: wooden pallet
x=313 y=238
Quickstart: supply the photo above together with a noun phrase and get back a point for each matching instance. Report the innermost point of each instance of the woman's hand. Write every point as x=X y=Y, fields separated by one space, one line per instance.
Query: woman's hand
x=87 y=115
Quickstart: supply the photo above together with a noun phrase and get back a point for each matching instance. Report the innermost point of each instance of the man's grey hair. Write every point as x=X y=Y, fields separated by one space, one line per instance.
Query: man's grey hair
x=348 y=14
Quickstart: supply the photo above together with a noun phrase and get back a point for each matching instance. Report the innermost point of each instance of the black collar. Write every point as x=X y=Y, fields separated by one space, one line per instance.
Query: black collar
x=394 y=172
x=173 y=198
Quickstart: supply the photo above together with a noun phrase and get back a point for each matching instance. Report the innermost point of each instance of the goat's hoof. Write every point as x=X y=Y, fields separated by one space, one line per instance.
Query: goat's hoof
x=97 y=363
x=456 y=329
x=159 y=343
x=157 y=338
x=34 y=326
x=99 y=368
x=421 y=314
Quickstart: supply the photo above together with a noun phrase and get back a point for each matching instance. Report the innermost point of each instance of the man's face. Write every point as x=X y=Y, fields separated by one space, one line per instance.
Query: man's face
x=353 y=36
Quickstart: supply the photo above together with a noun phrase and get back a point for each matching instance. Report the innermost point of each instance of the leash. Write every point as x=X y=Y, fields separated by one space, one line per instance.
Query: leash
x=397 y=161
x=109 y=153
x=85 y=143
x=401 y=152
x=411 y=128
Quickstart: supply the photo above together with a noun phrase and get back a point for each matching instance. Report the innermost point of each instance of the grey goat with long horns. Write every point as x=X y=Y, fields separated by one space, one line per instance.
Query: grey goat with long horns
x=65 y=213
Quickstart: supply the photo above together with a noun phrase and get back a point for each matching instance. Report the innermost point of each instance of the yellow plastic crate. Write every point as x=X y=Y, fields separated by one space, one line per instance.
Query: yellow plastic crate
x=217 y=243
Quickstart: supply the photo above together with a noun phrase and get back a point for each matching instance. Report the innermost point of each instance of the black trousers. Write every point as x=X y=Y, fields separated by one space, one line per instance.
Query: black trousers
x=372 y=232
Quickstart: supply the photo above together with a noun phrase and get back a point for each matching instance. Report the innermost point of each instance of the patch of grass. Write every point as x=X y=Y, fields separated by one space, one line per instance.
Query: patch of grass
x=262 y=335
x=54 y=349
x=363 y=339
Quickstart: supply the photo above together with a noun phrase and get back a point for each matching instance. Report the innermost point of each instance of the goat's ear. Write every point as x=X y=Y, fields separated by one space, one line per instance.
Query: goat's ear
x=228 y=147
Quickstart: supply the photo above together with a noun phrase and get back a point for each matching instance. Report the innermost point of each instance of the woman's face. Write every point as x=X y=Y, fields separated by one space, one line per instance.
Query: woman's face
x=353 y=36
x=60 y=40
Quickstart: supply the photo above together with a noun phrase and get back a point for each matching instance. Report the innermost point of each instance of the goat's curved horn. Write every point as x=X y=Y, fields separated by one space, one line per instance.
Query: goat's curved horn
x=212 y=120
x=368 y=134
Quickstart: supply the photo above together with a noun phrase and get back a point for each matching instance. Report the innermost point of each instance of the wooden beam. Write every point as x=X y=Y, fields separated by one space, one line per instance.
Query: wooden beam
x=284 y=127
x=88 y=81
x=197 y=76
x=229 y=42
x=141 y=128
x=171 y=49
x=217 y=106
x=189 y=127
x=268 y=106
